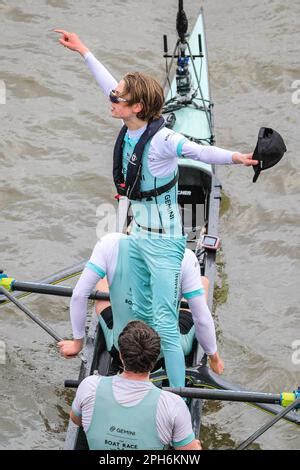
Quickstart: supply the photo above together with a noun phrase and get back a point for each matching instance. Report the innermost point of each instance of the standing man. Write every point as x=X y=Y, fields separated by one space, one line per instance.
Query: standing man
x=146 y=170
x=126 y=411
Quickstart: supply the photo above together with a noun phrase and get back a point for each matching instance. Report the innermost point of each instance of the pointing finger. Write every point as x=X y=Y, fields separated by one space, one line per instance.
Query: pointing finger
x=60 y=31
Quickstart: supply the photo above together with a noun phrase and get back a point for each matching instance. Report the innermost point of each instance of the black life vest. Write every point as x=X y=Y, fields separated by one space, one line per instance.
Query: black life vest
x=132 y=186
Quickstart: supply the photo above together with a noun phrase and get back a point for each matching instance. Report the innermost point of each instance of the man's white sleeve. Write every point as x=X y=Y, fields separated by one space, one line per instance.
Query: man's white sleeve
x=170 y=144
x=98 y=259
x=191 y=283
x=182 y=432
x=85 y=396
x=204 y=324
x=192 y=290
x=206 y=153
x=167 y=146
x=79 y=301
x=95 y=269
x=82 y=390
x=104 y=78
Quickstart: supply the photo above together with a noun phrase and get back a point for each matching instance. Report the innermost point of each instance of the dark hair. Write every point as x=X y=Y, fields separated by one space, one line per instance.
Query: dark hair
x=146 y=90
x=139 y=346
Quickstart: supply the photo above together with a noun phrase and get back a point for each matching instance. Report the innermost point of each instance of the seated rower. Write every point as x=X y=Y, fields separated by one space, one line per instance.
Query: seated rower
x=128 y=404
x=110 y=258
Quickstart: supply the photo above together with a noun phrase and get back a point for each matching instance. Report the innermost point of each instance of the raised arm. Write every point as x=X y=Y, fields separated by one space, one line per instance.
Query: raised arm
x=103 y=77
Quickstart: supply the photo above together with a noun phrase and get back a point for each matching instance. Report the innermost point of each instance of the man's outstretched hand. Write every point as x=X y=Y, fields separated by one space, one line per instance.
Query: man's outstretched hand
x=71 y=41
x=244 y=159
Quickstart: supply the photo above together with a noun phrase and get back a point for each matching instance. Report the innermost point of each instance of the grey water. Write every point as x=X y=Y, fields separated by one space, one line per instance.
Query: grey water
x=55 y=155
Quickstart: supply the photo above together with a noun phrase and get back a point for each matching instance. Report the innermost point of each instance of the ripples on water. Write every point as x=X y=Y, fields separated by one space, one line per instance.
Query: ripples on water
x=56 y=169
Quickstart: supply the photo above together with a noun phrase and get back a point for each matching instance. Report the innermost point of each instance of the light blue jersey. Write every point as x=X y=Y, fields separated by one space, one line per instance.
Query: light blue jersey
x=157 y=215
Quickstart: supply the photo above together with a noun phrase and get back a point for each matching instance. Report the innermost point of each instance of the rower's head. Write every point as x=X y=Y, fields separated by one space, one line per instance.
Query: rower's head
x=139 y=94
x=139 y=347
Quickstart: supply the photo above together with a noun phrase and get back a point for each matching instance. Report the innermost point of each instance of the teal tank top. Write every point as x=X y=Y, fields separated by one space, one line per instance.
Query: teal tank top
x=119 y=427
x=120 y=296
x=160 y=213
x=120 y=292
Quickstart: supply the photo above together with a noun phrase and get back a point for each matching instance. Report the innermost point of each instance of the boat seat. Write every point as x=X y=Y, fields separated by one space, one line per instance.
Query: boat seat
x=193 y=199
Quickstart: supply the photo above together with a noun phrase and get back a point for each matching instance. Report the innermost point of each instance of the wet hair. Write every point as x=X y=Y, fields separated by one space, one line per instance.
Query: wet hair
x=139 y=346
x=146 y=90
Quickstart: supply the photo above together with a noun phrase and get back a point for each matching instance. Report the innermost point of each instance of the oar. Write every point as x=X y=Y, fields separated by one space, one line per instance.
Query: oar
x=39 y=288
x=28 y=312
x=265 y=427
x=33 y=317
x=61 y=276
x=283 y=399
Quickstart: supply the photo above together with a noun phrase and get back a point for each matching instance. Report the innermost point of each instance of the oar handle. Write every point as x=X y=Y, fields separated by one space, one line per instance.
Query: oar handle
x=61 y=291
x=28 y=312
x=226 y=395
x=69 y=383
x=40 y=288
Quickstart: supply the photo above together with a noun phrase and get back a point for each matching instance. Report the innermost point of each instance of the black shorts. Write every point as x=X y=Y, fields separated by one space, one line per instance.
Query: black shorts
x=185 y=320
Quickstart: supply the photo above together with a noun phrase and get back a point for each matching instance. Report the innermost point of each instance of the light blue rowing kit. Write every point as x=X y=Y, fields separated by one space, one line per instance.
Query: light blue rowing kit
x=119 y=427
x=157 y=243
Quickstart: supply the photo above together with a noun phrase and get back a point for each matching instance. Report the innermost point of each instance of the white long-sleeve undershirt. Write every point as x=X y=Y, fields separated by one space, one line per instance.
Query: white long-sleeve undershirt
x=79 y=301
x=204 y=324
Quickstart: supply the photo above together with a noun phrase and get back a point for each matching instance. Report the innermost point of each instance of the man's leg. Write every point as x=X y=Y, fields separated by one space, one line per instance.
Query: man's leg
x=187 y=331
x=140 y=284
x=163 y=258
x=104 y=313
x=100 y=305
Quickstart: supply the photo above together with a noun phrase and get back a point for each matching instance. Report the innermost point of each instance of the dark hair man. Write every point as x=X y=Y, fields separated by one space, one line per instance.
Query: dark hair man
x=126 y=411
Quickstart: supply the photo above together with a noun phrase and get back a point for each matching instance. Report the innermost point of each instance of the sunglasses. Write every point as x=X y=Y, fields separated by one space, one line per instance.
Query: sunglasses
x=114 y=98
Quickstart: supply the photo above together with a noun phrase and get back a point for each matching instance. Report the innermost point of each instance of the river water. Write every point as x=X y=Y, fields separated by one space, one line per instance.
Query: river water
x=55 y=154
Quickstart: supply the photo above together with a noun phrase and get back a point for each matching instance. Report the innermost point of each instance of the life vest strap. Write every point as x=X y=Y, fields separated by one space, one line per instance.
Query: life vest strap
x=161 y=189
